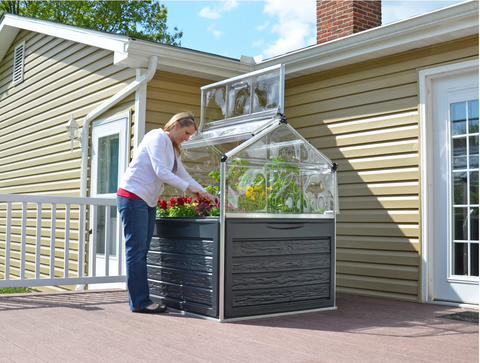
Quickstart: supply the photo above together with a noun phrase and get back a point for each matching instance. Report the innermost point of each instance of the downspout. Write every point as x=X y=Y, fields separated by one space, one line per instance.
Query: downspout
x=107 y=104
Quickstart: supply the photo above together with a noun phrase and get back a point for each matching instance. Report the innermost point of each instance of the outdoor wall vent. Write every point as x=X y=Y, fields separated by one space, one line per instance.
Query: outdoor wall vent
x=18 y=63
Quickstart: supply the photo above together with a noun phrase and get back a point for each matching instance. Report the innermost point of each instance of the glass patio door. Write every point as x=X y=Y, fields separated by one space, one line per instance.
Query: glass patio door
x=455 y=185
x=109 y=158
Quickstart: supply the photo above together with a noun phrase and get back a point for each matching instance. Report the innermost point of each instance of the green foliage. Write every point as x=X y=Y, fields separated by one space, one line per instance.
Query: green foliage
x=140 y=19
x=214 y=189
x=14 y=290
x=274 y=186
x=187 y=207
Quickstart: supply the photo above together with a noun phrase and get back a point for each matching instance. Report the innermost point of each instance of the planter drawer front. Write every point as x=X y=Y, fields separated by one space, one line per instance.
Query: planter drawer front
x=182 y=264
x=274 y=266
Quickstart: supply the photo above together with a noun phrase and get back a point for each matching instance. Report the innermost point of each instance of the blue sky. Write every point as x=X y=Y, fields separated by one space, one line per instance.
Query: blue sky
x=233 y=28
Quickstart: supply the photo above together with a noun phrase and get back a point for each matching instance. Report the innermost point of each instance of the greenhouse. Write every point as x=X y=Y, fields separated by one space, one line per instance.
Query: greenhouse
x=269 y=247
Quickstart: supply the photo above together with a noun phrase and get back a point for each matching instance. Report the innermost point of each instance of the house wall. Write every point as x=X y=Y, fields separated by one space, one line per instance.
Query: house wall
x=365 y=117
x=61 y=77
x=168 y=94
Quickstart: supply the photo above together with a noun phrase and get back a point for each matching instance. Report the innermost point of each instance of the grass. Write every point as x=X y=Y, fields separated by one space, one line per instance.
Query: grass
x=14 y=290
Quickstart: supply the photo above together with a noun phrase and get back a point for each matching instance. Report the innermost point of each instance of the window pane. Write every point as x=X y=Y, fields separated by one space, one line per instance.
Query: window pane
x=107 y=171
x=460 y=259
x=458 y=114
x=461 y=224
x=459 y=111
x=473 y=116
x=474 y=259
x=473 y=152
x=459 y=128
x=460 y=188
x=474 y=187
x=459 y=153
x=474 y=224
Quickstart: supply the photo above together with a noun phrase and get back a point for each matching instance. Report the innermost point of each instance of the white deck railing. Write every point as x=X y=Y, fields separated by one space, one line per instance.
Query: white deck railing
x=14 y=271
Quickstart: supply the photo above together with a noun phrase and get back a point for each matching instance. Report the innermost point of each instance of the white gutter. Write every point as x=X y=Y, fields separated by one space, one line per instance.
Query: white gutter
x=107 y=104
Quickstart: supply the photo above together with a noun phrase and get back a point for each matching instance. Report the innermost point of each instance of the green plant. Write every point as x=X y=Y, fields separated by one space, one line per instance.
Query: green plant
x=274 y=187
x=14 y=290
x=187 y=207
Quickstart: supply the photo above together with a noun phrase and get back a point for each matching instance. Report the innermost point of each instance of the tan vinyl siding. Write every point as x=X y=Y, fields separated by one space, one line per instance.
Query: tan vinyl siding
x=168 y=94
x=61 y=77
x=365 y=118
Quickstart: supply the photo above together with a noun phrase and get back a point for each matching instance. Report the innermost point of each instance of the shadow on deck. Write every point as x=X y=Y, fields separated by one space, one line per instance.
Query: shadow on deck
x=97 y=326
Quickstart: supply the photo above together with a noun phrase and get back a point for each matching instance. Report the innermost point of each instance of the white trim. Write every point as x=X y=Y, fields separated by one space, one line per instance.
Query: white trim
x=426 y=166
x=140 y=113
x=104 y=106
x=110 y=41
x=457 y=305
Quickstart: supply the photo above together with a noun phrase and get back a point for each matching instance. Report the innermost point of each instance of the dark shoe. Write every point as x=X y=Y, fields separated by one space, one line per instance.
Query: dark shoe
x=158 y=310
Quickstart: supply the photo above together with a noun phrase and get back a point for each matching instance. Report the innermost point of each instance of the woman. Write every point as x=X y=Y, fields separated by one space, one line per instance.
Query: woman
x=156 y=162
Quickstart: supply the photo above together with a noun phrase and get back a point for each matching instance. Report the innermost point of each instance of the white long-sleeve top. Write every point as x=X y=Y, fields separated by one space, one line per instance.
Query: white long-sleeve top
x=151 y=168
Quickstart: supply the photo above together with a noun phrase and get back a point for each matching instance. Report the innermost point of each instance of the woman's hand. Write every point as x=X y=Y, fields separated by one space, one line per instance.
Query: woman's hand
x=203 y=195
x=213 y=198
x=198 y=192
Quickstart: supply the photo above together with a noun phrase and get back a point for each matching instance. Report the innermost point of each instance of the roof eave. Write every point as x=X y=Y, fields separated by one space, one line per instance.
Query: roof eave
x=180 y=60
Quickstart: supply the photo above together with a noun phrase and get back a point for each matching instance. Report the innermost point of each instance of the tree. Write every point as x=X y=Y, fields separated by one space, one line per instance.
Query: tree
x=140 y=19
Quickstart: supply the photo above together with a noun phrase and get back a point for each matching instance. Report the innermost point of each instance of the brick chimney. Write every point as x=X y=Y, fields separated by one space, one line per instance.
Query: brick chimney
x=339 y=18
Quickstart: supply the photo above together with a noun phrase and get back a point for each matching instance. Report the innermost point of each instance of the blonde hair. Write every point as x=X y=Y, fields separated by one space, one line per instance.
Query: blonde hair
x=184 y=119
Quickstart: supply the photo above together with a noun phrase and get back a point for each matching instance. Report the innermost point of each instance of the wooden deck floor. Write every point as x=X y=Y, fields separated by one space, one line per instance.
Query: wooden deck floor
x=98 y=327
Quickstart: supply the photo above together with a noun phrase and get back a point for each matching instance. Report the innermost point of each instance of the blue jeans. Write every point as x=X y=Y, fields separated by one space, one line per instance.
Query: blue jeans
x=138 y=223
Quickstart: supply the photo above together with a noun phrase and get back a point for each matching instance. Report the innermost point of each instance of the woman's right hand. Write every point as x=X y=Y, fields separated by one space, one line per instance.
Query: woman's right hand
x=198 y=192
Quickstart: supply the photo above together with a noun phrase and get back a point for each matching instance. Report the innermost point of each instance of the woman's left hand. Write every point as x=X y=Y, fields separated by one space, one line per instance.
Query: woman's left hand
x=213 y=198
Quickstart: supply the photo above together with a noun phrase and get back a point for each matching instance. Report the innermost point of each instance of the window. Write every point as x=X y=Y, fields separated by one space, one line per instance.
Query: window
x=18 y=63
x=464 y=118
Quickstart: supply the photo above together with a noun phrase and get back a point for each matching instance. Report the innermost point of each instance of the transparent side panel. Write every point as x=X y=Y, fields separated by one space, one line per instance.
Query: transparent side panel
x=239 y=98
x=215 y=105
x=242 y=99
x=279 y=173
x=266 y=93
x=199 y=162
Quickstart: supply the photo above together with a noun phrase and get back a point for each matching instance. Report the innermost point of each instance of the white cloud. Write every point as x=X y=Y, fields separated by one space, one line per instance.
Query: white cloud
x=215 y=13
x=262 y=27
x=257 y=43
x=295 y=25
x=209 y=13
x=215 y=32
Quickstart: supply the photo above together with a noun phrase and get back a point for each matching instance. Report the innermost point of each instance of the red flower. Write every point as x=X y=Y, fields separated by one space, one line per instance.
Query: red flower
x=162 y=204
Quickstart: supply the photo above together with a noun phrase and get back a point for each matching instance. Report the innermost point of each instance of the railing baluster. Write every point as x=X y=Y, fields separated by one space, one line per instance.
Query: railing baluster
x=23 y=240
x=107 y=241
x=119 y=243
x=7 y=241
x=66 y=255
x=93 y=243
x=52 y=240
x=38 y=241
x=81 y=240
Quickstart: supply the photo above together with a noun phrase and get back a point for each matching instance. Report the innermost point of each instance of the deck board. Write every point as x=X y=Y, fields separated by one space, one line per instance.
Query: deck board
x=97 y=326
